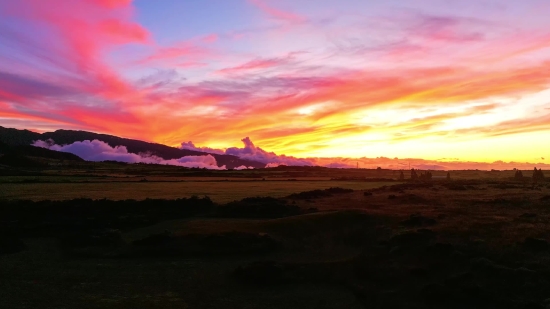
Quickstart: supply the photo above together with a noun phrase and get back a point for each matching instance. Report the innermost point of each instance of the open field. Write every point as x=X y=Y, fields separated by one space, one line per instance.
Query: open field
x=478 y=243
x=140 y=181
x=218 y=191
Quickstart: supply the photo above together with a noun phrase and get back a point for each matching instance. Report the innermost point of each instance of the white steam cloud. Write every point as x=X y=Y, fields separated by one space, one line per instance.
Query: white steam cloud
x=253 y=153
x=190 y=146
x=97 y=151
x=242 y=167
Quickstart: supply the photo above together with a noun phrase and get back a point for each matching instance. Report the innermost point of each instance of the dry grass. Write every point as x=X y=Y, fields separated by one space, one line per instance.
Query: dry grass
x=218 y=191
x=340 y=249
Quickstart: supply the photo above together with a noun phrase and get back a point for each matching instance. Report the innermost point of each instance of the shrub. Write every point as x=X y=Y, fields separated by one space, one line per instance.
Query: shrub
x=258 y=207
x=319 y=193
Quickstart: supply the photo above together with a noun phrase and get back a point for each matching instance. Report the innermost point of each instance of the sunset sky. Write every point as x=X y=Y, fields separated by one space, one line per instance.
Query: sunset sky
x=434 y=79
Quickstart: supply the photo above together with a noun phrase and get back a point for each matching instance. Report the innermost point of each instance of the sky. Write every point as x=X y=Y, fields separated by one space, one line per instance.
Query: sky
x=440 y=80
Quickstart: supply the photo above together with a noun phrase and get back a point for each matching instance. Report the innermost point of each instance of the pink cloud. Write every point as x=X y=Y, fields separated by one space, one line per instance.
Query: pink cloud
x=276 y=13
x=112 y=3
x=193 y=50
x=210 y=38
x=127 y=32
x=256 y=64
x=168 y=53
x=190 y=146
x=82 y=34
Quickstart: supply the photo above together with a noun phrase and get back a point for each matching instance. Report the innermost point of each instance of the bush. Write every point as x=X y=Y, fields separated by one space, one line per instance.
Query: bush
x=59 y=218
x=258 y=207
x=319 y=193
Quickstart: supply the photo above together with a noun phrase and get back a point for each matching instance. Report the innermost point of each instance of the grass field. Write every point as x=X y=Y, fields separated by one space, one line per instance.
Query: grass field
x=431 y=246
x=480 y=240
x=218 y=191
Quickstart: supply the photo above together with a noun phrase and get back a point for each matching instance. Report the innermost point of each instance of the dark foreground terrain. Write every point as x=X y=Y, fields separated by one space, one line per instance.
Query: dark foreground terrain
x=447 y=244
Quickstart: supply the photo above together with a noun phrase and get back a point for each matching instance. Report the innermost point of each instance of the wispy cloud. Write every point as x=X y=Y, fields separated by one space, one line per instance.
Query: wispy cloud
x=277 y=14
x=256 y=64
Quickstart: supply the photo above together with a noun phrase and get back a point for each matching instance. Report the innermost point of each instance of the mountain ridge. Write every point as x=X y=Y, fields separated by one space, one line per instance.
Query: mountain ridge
x=16 y=137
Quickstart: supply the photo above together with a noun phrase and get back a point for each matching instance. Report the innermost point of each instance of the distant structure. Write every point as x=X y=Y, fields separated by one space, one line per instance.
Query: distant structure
x=414 y=175
x=426 y=176
x=538 y=175
x=518 y=175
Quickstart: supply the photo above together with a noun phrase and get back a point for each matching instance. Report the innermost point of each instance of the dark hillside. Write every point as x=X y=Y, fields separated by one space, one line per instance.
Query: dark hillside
x=32 y=151
x=17 y=137
x=25 y=137
x=26 y=155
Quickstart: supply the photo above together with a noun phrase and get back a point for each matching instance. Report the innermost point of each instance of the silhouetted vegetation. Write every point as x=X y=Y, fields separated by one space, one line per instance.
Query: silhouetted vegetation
x=319 y=193
x=407 y=186
x=425 y=176
x=81 y=215
x=518 y=175
x=258 y=207
x=414 y=175
x=538 y=175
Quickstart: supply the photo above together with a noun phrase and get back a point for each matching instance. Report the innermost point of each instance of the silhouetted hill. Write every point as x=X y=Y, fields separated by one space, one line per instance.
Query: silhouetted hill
x=30 y=156
x=25 y=137
x=17 y=137
x=3 y=147
x=32 y=151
